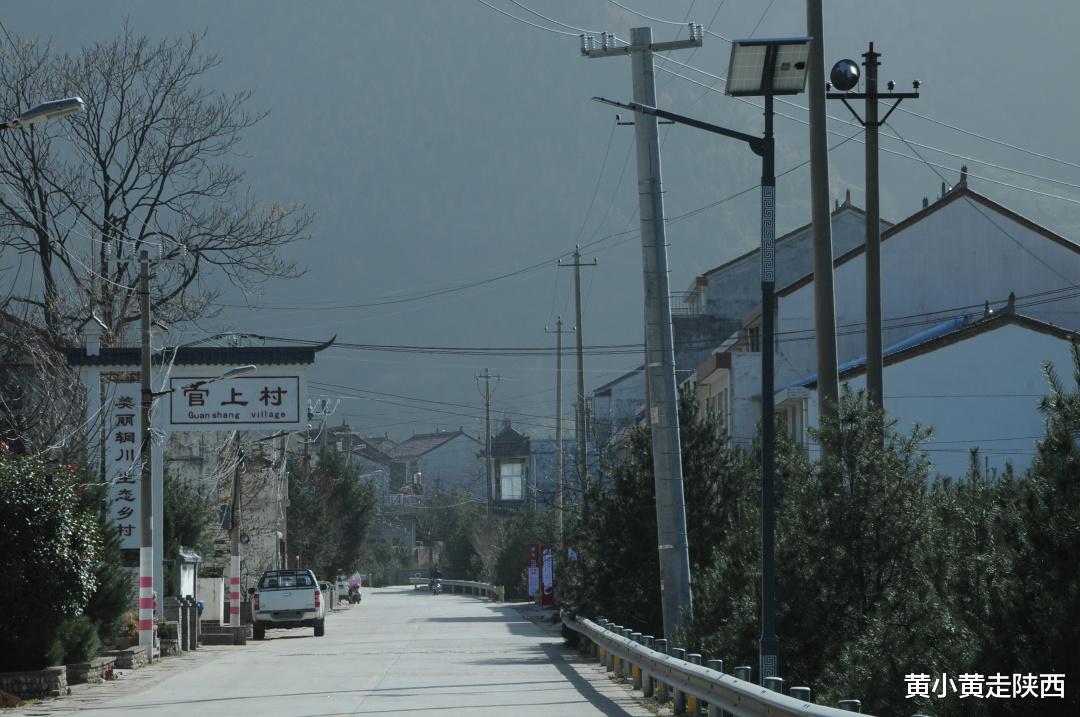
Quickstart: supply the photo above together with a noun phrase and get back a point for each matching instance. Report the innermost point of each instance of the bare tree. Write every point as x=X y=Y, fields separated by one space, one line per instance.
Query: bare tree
x=41 y=400
x=145 y=166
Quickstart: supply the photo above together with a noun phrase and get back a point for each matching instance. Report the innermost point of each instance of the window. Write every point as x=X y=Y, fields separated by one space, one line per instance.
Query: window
x=753 y=337
x=511 y=480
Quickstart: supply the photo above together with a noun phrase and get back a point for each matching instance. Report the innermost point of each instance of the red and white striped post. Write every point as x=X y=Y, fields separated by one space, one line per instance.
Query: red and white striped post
x=234 y=590
x=146 y=529
x=234 y=539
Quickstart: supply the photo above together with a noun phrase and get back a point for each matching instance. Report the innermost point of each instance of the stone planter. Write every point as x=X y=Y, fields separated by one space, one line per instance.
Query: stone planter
x=169 y=648
x=129 y=659
x=36 y=684
x=97 y=670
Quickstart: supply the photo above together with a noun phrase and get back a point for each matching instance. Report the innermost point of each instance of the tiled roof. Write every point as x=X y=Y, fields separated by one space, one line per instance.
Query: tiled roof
x=950 y=332
x=422 y=443
x=623 y=377
x=204 y=355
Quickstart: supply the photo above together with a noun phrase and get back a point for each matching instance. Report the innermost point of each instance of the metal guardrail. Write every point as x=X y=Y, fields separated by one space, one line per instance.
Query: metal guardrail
x=688 y=683
x=470 y=587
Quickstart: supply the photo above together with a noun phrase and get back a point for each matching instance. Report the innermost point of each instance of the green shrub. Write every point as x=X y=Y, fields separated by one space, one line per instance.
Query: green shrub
x=78 y=640
x=49 y=547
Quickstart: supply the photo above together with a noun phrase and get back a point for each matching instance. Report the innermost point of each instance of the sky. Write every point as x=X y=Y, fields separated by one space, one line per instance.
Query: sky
x=443 y=143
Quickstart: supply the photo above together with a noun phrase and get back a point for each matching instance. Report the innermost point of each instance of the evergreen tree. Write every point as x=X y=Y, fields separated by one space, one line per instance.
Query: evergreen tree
x=114 y=591
x=49 y=548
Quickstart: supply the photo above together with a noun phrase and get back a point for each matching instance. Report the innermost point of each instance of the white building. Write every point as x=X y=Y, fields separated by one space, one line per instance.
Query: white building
x=976 y=383
x=950 y=257
x=961 y=255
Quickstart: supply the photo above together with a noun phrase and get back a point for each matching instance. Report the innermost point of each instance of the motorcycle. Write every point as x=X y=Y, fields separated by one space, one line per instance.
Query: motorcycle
x=354 y=594
x=436 y=586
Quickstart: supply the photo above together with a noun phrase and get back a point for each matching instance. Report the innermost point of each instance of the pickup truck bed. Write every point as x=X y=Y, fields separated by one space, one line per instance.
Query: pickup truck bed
x=287 y=599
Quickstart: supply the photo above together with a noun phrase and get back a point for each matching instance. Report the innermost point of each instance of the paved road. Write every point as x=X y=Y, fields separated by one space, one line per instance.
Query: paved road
x=399 y=651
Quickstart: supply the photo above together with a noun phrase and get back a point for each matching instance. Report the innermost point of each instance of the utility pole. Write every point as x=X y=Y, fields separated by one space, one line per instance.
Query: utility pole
x=824 y=301
x=844 y=76
x=579 y=407
x=675 y=595
x=487 y=376
x=146 y=528
x=558 y=430
x=234 y=537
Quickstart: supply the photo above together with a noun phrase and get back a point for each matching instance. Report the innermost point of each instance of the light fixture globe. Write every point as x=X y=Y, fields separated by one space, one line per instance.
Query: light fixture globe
x=844 y=75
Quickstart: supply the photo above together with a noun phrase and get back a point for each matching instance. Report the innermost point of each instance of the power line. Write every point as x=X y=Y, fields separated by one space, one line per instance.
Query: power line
x=527 y=22
x=887 y=151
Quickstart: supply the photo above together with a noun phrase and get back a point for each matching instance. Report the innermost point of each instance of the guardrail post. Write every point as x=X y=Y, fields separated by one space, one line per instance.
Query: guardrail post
x=743 y=673
x=693 y=705
x=678 y=704
x=717 y=665
x=648 y=685
x=614 y=662
x=850 y=705
x=776 y=684
x=801 y=693
x=601 y=652
x=628 y=664
x=636 y=671
x=660 y=690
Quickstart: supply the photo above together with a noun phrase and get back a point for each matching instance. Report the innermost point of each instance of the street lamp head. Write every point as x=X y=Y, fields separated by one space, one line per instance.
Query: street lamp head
x=845 y=75
x=239 y=371
x=49 y=110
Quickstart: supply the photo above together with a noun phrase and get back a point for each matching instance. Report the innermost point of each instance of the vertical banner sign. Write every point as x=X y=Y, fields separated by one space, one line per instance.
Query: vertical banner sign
x=123 y=464
x=548 y=575
x=534 y=569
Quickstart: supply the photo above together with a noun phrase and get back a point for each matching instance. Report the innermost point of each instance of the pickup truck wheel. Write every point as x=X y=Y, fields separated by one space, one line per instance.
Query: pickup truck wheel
x=258 y=633
x=320 y=628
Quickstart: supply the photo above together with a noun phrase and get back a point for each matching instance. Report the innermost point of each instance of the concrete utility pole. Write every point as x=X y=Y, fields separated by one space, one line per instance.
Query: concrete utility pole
x=558 y=430
x=824 y=301
x=146 y=528
x=845 y=75
x=874 y=369
x=675 y=592
x=234 y=537
x=487 y=376
x=580 y=427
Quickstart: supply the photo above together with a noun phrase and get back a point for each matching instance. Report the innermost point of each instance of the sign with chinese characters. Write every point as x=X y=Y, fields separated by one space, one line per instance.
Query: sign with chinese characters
x=123 y=465
x=534 y=569
x=244 y=402
x=548 y=576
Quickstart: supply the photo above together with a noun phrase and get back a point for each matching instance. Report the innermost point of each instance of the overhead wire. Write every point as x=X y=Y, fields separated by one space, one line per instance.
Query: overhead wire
x=527 y=22
x=886 y=150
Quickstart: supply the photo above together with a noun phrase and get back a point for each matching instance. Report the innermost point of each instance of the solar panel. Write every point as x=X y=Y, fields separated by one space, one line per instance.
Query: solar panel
x=787 y=58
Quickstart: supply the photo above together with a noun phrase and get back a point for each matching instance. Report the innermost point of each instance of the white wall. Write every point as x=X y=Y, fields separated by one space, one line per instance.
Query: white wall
x=983 y=392
x=962 y=254
x=736 y=289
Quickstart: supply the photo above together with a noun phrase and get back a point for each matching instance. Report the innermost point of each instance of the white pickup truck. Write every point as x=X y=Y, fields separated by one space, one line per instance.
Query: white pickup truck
x=287 y=598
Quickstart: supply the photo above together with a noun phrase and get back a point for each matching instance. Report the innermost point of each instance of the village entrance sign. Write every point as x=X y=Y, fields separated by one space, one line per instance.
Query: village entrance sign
x=192 y=393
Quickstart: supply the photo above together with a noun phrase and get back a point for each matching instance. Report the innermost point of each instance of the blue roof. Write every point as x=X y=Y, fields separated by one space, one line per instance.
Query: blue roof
x=948 y=327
